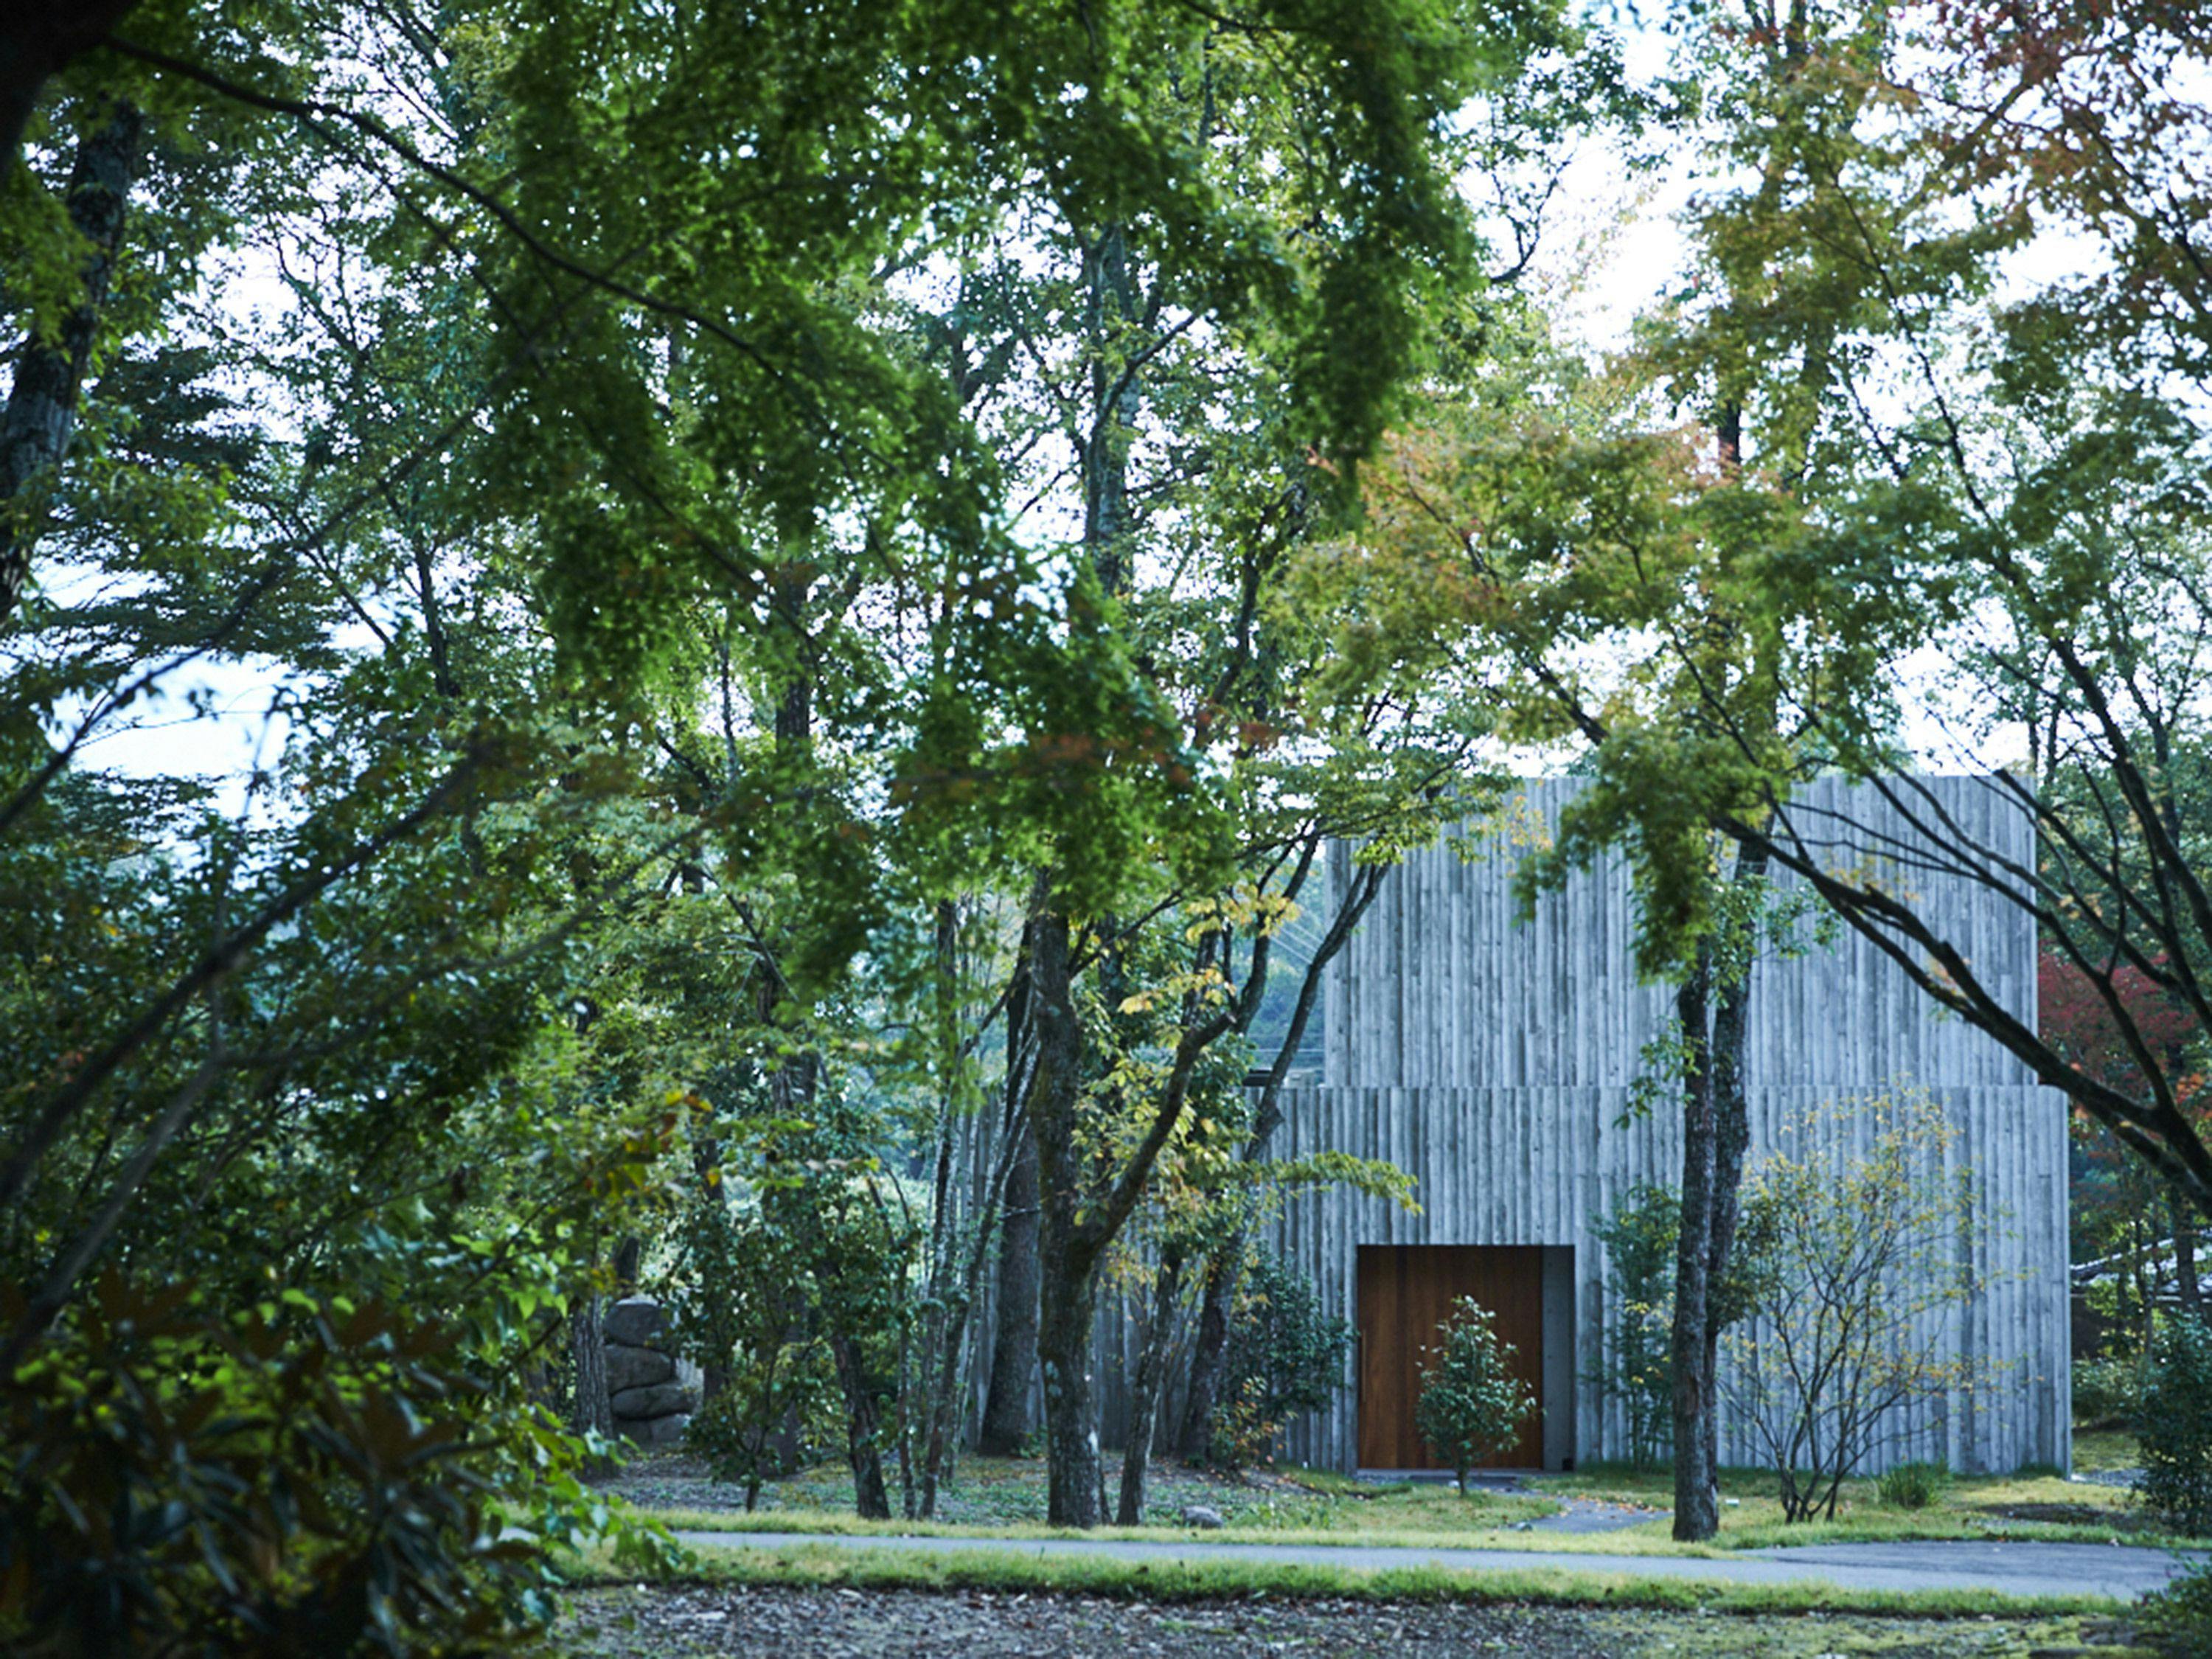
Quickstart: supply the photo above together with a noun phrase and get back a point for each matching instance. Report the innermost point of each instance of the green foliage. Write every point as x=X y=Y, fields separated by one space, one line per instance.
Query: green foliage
x=1638 y=1238
x=1471 y=1406
x=2178 y=1617
x=1285 y=1356
x=1850 y=1260
x=799 y=1249
x=2174 y=1427
x=748 y=1314
x=309 y=1476
x=770 y=1421
x=1912 y=1486
x=2108 y=1391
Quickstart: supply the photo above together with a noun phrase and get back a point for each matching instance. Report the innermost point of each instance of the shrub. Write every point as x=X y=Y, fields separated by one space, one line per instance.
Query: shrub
x=1242 y=1433
x=750 y=1316
x=1285 y=1356
x=2179 y=1616
x=1637 y=1370
x=1472 y=1405
x=2175 y=1427
x=1913 y=1486
x=1849 y=1263
x=2108 y=1391
x=763 y=1425
x=305 y=1477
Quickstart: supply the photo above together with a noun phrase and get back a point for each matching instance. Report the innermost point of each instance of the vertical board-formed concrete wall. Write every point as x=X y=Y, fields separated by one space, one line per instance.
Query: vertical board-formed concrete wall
x=1493 y=1060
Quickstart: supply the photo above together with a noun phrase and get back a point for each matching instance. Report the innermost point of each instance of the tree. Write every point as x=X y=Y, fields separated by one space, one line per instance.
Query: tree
x=1699 y=615
x=1145 y=312
x=2039 y=477
x=1285 y=1356
x=1471 y=1404
x=2176 y=1426
x=586 y=334
x=1639 y=1240
x=1853 y=1259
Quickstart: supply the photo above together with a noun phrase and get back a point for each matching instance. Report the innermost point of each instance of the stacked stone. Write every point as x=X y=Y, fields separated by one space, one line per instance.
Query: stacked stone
x=651 y=1404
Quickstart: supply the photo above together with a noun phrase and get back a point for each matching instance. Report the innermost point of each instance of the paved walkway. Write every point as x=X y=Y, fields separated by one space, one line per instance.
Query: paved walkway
x=2123 y=1572
x=1588 y=1514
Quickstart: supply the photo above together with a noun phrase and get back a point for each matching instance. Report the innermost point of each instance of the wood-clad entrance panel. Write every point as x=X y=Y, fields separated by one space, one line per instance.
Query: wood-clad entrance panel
x=1404 y=1291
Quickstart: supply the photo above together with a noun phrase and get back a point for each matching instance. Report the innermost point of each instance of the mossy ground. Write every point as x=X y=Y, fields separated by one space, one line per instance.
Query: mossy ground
x=1005 y=1497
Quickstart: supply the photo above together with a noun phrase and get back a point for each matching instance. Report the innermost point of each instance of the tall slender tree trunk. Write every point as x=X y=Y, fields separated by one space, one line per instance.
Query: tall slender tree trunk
x=1014 y=1339
x=2185 y=1260
x=1005 y=1422
x=793 y=1082
x=1145 y=1390
x=1696 y=1502
x=42 y=404
x=1731 y=1142
x=1014 y=1346
x=1066 y=1254
x=1067 y=1257
x=1209 y=1359
x=592 y=1410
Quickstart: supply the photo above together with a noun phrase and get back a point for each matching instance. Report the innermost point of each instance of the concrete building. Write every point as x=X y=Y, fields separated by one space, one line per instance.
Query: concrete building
x=1493 y=1060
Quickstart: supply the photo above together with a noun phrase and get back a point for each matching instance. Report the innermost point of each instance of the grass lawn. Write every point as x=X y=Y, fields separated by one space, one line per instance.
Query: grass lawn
x=816 y=1564
x=1005 y=1497
x=1644 y=1617
x=2099 y=1452
x=2020 y=1506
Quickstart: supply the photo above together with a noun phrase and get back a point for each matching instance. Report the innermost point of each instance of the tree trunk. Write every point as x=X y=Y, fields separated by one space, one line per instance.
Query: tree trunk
x=864 y=1449
x=943 y=1412
x=629 y=1257
x=592 y=1412
x=1145 y=1391
x=1067 y=1256
x=2185 y=1260
x=1069 y=1245
x=1209 y=1360
x=1014 y=1346
x=37 y=42
x=1074 y=1477
x=1697 y=1508
x=713 y=1365
x=1731 y=1141
x=42 y=405
x=1005 y=1422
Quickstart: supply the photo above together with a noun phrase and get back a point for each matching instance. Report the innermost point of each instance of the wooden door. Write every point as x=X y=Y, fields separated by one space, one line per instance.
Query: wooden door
x=1405 y=1290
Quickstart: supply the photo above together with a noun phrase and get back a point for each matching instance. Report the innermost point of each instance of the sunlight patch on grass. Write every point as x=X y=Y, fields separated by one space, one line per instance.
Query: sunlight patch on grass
x=2097 y=1451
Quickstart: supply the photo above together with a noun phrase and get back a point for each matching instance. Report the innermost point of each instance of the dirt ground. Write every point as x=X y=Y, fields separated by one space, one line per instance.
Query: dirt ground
x=703 y=1622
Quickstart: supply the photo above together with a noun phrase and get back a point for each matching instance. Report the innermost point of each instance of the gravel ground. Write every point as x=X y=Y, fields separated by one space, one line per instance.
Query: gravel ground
x=709 y=1623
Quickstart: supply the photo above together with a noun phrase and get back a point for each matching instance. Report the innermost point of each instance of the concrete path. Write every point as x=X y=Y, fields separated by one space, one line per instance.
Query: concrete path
x=2020 y=1568
x=1586 y=1514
